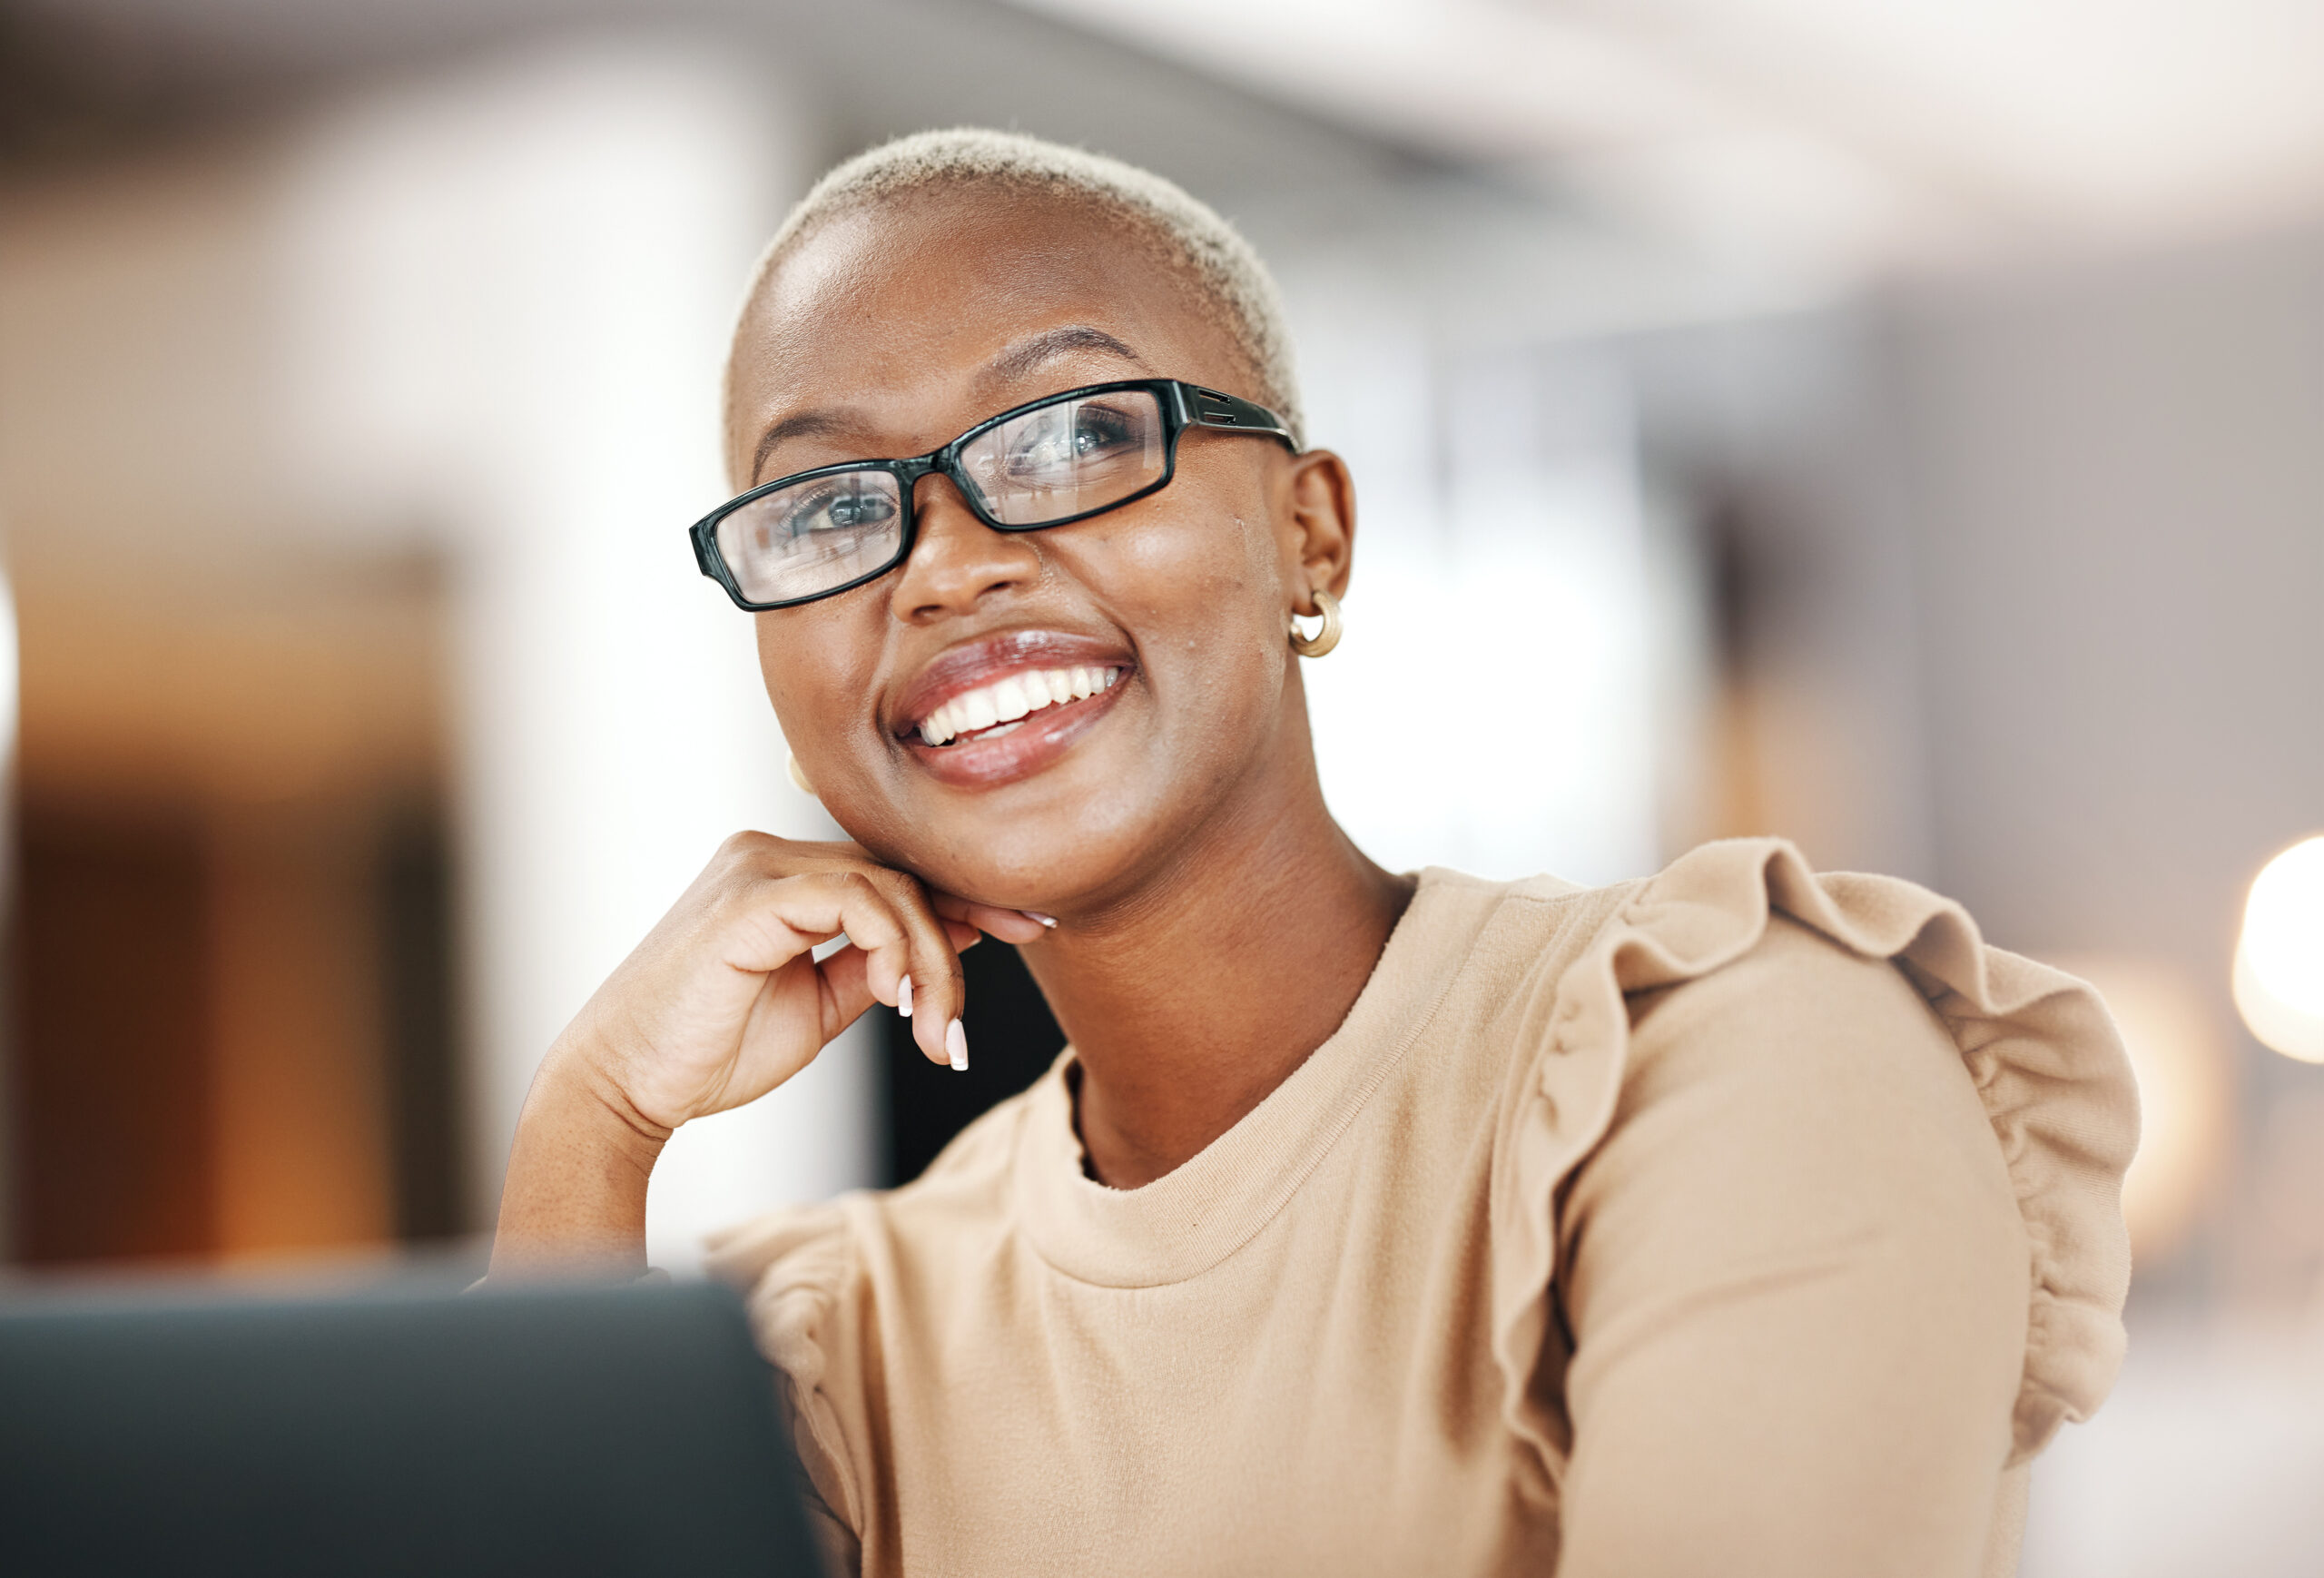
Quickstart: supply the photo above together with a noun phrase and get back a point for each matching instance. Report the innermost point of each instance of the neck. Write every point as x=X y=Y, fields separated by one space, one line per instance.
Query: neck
x=1191 y=1000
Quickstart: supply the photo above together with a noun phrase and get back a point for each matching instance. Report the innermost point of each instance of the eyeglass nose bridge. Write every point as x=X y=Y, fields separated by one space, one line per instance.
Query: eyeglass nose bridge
x=945 y=463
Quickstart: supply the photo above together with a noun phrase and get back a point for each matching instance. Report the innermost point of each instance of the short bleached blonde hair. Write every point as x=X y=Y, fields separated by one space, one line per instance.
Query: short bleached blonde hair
x=1227 y=277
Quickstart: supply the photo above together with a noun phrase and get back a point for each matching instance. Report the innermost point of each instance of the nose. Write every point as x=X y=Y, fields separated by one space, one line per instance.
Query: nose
x=957 y=561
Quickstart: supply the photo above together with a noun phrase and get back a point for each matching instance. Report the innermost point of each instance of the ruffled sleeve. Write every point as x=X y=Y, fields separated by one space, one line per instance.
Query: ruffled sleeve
x=2041 y=1050
x=794 y=1266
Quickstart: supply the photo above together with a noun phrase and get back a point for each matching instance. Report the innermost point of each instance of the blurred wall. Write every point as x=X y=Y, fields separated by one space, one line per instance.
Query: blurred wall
x=2018 y=577
x=345 y=463
x=509 y=289
x=224 y=724
x=2014 y=583
x=2120 y=475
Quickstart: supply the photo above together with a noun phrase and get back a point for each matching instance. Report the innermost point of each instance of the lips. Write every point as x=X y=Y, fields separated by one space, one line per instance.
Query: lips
x=998 y=709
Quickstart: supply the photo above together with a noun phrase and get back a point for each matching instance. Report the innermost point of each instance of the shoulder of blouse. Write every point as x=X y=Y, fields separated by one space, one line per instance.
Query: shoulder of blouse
x=791 y=1266
x=797 y=1267
x=2043 y=1056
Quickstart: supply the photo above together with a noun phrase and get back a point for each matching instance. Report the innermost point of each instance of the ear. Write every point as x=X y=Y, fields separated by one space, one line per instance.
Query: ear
x=1318 y=533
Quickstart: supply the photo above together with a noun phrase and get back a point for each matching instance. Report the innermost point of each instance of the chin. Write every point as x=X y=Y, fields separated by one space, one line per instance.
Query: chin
x=1080 y=850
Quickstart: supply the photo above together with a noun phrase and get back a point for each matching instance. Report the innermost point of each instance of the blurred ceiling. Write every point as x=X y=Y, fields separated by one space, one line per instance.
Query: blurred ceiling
x=1831 y=133
x=1892 y=133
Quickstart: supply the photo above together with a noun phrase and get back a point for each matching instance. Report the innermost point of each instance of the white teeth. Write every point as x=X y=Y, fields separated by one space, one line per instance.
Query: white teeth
x=1009 y=699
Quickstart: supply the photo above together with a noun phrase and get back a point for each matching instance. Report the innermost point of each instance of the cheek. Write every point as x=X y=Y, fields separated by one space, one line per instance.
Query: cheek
x=1200 y=572
x=1199 y=591
x=812 y=671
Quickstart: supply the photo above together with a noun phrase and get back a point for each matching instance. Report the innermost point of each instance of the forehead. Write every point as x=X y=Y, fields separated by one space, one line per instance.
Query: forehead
x=895 y=309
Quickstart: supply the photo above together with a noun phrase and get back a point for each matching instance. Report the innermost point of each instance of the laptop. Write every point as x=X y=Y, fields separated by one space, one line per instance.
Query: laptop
x=567 y=1431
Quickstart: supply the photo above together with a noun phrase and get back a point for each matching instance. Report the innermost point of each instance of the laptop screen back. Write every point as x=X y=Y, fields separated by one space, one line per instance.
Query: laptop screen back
x=610 y=1431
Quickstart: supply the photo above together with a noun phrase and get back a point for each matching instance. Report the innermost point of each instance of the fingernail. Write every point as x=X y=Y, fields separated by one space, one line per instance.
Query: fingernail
x=903 y=997
x=1048 y=920
x=956 y=1046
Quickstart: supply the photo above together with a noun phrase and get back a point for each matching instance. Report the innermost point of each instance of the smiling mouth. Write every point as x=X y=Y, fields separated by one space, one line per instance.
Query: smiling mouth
x=1002 y=708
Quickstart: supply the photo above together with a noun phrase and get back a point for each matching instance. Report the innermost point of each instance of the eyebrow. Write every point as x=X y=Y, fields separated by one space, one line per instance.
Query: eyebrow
x=1014 y=362
x=1034 y=350
x=815 y=424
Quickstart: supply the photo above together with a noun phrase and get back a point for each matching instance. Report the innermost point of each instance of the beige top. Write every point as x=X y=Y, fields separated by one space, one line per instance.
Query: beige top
x=1739 y=1220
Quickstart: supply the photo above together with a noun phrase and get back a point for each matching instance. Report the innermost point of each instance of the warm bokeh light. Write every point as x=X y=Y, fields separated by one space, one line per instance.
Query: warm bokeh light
x=2280 y=959
x=2186 y=1088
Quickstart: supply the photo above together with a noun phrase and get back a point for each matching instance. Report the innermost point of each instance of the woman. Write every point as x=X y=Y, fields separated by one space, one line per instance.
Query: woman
x=1737 y=1221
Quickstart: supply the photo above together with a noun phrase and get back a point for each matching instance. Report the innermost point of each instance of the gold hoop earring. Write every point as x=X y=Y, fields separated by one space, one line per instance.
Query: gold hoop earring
x=1328 y=634
x=799 y=776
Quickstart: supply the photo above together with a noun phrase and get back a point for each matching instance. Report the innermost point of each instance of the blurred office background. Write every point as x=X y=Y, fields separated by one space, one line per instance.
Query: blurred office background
x=1903 y=427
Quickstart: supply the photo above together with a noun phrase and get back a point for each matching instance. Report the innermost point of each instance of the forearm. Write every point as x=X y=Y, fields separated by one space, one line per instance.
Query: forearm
x=575 y=1198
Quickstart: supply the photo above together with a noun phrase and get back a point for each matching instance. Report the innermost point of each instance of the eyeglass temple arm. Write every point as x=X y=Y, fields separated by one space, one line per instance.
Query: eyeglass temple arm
x=1207 y=408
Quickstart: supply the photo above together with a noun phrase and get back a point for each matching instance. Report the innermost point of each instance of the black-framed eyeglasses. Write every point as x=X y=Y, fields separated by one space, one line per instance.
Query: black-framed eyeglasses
x=1059 y=459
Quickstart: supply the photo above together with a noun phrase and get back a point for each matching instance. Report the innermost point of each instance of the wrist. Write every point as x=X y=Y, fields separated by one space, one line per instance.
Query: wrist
x=574 y=1201
x=577 y=1084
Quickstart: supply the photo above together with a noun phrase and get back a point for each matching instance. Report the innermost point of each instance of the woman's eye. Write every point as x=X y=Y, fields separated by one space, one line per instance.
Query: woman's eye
x=839 y=510
x=1098 y=429
x=1064 y=440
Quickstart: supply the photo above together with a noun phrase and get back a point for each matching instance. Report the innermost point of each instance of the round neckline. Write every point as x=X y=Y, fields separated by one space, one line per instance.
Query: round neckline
x=1194 y=1217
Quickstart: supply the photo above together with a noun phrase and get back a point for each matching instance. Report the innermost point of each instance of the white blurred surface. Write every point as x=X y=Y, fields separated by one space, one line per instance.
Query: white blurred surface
x=2279 y=956
x=2205 y=1460
x=2187 y=1091
x=1491 y=708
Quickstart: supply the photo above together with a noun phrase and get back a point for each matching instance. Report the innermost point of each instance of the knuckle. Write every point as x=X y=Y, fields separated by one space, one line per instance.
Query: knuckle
x=898 y=890
x=902 y=887
x=756 y=857
x=746 y=845
x=857 y=883
x=868 y=906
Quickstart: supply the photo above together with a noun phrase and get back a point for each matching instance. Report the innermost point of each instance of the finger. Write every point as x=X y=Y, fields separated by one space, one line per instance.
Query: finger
x=1009 y=925
x=939 y=990
x=847 y=988
x=886 y=915
x=847 y=982
x=782 y=918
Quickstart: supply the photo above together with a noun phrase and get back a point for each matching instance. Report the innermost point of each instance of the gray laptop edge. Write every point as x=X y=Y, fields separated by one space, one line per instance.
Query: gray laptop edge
x=576 y=1431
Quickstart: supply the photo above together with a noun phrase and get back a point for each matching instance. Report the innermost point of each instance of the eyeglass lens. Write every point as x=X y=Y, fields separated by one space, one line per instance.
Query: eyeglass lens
x=814 y=536
x=1050 y=464
x=1068 y=457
